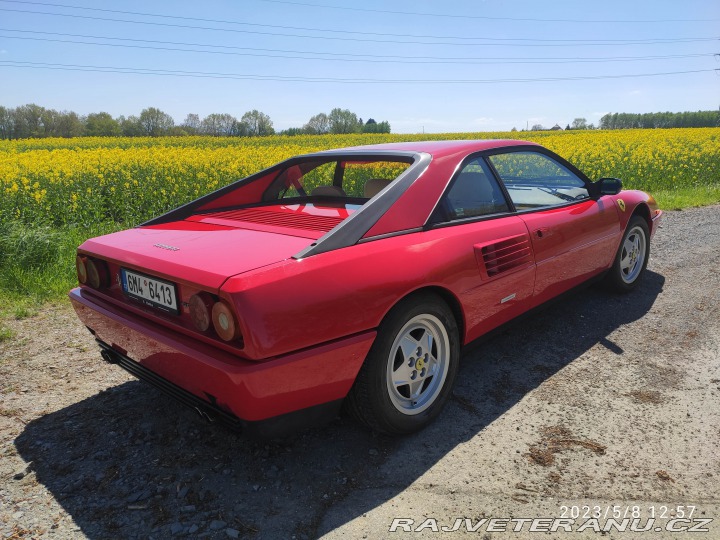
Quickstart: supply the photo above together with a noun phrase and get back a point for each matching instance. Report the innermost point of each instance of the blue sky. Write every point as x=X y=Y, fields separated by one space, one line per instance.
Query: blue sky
x=421 y=65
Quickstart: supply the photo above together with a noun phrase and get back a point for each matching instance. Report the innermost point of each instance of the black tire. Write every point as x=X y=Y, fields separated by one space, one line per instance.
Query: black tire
x=384 y=406
x=627 y=271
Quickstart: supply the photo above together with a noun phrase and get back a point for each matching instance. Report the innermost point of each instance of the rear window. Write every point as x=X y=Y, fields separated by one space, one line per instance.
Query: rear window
x=346 y=179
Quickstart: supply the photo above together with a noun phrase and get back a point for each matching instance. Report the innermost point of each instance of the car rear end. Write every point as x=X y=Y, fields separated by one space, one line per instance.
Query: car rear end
x=153 y=298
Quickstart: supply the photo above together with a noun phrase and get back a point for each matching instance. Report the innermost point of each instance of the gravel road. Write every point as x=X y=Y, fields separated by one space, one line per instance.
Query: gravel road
x=599 y=400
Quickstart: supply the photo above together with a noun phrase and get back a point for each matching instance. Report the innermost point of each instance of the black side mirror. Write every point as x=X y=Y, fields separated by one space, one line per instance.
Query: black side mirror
x=608 y=186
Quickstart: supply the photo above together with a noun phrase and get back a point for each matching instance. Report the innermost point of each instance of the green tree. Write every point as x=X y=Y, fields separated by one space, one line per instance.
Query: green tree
x=219 y=125
x=155 y=122
x=28 y=121
x=130 y=126
x=68 y=124
x=257 y=124
x=293 y=131
x=191 y=124
x=7 y=123
x=579 y=123
x=371 y=126
x=317 y=125
x=102 y=125
x=343 y=121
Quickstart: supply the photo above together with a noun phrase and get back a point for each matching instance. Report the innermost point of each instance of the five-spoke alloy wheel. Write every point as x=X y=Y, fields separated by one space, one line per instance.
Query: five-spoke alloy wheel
x=408 y=375
x=632 y=256
x=418 y=363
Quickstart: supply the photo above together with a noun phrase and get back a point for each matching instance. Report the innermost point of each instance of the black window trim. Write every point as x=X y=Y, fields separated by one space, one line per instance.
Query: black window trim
x=512 y=210
x=434 y=222
x=417 y=163
x=548 y=153
x=354 y=228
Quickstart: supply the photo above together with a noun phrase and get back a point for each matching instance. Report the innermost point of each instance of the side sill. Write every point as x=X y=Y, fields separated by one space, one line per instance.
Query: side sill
x=477 y=342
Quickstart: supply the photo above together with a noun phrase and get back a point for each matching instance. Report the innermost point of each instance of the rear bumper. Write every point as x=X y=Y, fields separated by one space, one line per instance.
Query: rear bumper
x=241 y=392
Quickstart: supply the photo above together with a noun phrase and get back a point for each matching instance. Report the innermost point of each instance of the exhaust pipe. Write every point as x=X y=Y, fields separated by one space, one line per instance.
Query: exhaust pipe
x=108 y=356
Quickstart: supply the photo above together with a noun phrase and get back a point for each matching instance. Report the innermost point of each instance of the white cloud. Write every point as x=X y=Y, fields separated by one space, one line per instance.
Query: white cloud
x=484 y=121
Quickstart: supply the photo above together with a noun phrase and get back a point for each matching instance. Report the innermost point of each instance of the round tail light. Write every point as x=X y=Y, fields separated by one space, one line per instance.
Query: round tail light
x=200 y=310
x=224 y=321
x=97 y=273
x=80 y=266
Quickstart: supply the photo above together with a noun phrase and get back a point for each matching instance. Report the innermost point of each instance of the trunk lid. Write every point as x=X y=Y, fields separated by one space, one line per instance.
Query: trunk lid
x=194 y=252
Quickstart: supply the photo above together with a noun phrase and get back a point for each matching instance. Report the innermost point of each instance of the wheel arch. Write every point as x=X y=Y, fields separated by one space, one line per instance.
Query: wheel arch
x=446 y=296
x=643 y=211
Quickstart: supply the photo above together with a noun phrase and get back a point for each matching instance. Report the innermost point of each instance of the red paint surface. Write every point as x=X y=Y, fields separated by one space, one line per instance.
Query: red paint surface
x=250 y=390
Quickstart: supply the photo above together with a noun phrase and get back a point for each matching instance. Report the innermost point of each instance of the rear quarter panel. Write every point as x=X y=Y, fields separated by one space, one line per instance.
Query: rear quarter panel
x=302 y=303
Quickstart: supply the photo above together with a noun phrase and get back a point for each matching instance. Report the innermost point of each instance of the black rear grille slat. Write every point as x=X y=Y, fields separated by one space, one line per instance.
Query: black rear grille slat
x=208 y=410
x=278 y=219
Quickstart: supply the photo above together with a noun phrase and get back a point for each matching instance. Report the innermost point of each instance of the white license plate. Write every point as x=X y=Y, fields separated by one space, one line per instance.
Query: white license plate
x=151 y=291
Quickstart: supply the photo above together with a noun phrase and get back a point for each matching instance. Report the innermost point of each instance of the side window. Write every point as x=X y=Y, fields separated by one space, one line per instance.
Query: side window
x=535 y=180
x=474 y=192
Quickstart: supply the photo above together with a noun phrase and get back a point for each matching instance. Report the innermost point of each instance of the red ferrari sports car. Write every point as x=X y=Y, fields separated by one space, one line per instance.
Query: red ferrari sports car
x=353 y=276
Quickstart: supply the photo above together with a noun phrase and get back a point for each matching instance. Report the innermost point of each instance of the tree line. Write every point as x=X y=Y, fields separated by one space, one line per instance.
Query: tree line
x=660 y=120
x=34 y=121
x=643 y=121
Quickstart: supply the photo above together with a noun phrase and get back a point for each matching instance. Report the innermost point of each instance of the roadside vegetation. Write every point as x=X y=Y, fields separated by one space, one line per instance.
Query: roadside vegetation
x=57 y=192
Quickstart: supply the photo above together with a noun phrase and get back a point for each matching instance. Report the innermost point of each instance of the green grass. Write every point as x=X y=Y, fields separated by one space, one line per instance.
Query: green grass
x=37 y=264
x=679 y=199
x=5 y=334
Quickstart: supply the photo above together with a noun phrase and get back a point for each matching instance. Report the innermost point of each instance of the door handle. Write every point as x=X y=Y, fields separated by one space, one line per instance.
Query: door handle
x=542 y=232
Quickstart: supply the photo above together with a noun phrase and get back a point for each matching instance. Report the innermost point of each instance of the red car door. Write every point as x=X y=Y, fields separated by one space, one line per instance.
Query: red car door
x=573 y=237
x=493 y=247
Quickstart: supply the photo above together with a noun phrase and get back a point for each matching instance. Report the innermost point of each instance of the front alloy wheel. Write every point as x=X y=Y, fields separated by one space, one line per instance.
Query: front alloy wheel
x=631 y=258
x=632 y=255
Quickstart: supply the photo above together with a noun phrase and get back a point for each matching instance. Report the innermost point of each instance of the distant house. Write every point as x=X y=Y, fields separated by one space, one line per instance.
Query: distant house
x=556 y=127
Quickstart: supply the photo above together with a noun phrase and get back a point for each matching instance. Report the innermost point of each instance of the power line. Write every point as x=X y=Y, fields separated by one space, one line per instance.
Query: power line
x=257 y=77
x=284 y=27
x=485 y=17
x=402 y=60
x=486 y=41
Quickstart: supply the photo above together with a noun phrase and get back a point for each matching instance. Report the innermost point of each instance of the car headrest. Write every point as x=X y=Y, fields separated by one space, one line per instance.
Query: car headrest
x=328 y=191
x=375 y=186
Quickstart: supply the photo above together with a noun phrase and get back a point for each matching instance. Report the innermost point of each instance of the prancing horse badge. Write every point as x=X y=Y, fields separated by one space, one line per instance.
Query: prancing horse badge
x=621 y=204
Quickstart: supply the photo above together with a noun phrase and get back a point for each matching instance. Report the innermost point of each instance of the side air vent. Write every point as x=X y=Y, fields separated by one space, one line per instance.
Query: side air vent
x=278 y=219
x=505 y=255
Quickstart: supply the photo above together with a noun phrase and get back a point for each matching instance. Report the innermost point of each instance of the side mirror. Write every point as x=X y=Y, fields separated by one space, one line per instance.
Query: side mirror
x=608 y=186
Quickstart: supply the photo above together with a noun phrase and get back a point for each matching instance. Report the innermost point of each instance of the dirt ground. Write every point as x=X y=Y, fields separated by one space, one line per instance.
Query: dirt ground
x=600 y=400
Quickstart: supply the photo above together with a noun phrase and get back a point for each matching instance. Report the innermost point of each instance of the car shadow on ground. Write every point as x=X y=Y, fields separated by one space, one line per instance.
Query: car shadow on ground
x=129 y=462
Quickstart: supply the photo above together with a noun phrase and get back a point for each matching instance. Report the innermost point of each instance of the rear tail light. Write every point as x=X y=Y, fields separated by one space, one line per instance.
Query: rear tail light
x=224 y=321
x=200 y=310
x=97 y=273
x=80 y=266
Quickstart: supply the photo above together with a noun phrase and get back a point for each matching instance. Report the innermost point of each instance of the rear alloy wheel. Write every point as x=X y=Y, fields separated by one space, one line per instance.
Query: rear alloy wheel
x=632 y=256
x=411 y=367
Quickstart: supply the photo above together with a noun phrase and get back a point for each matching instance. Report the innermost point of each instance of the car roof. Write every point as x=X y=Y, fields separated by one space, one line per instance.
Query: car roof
x=437 y=148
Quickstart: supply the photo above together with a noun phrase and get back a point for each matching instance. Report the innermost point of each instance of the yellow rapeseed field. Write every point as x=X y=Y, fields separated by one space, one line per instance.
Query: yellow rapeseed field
x=127 y=180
